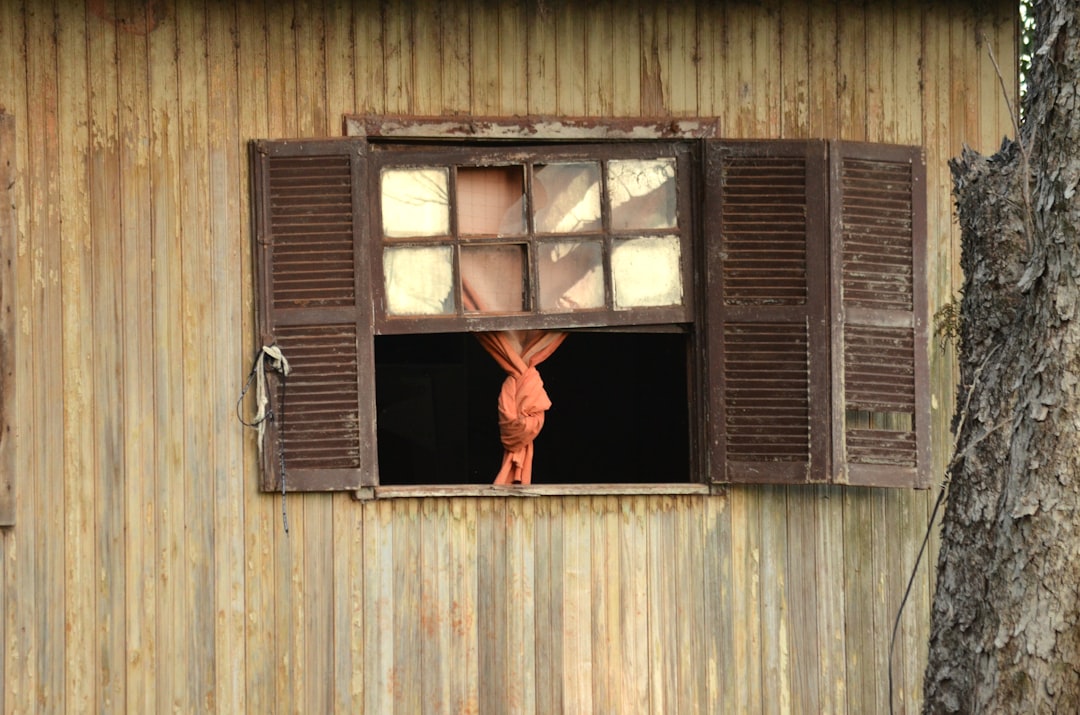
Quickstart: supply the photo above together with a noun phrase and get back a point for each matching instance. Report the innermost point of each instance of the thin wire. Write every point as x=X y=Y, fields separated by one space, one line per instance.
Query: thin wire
x=911 y=581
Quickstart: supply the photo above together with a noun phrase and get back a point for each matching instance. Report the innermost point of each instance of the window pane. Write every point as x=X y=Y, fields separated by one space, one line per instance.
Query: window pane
x=493 y=279
x=419 y=281
x=415 y=202
x=490 y=200
x=571 y=275
x=642 y=193
x=566 y=197
x=645 y=272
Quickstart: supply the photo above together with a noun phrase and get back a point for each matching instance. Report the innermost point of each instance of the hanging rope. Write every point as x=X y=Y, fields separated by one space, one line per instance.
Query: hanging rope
x=264 y=409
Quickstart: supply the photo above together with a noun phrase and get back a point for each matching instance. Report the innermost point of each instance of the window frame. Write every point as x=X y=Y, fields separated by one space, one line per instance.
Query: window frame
x=709 y=465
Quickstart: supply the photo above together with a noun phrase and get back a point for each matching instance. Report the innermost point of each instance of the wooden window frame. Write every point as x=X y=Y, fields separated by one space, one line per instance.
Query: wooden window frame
x=822 y=316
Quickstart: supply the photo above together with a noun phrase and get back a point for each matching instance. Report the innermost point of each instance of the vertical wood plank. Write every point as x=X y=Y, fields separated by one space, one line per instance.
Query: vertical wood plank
x=9 y=299
x=776 y=624
x=633 y=568
x=311 y=70
x=483 y=49
x=137 y=385
x=196 y=519
x=464 y=597
x=851 y=69
x=520 y=668
x=368 y=54
x=513 y=65
x=108 y=365
x=340 y=67
x=76 y=291
x=550 y=628
x=803 y=597
x=227 y=236
x=429 y=59
x=435 y=615
x=569 y=57
x=406 y=672
x=577 y=673
x=823 y=81
x=860 y=597
x=14 y=286
x=172 y=632
x=795 y=68
x=830 y=575
x=746 y=608
x=599 y=60
x=348 y=623
x=653 y=98
x=379 y=609
x=662 y=624
x=542 y=70
x=607 y=605
x=262 y=518
x=689 y=610
x=880 y=61
x=626 y=58
x=721 y=630
x=457 y=62
x=397 y=56
x=491 y=603
x=679 y=63
x=711 y=74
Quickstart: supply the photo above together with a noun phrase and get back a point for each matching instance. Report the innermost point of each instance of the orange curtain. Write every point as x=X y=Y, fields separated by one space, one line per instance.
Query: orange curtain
x=523 y=400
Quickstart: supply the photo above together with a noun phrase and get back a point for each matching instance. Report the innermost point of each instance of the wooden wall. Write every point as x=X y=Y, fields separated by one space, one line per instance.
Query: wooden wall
x=145 y=573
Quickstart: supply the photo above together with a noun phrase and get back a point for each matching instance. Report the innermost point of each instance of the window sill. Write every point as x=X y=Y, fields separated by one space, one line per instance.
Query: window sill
x=535 y=490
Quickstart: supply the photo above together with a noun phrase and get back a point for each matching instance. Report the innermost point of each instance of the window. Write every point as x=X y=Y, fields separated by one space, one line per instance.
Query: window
x=737 y=311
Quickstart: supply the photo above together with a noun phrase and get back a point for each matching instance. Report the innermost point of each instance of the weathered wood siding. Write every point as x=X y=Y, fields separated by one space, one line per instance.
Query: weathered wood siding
x=145 y=573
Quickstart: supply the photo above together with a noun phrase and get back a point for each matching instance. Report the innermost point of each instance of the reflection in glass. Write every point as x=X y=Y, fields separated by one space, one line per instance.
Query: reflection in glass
x=645 y=272
x=489 y=200
x=415 y=202
x=419 y=280
x=493 y=279
x=642 y=193
x=571 y=275
x=566 y=197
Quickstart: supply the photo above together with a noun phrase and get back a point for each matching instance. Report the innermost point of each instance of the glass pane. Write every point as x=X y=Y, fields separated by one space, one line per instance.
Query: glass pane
x=571 y=275
x=493 y=279
x=419 y=281
x=490 y=200
x=566 y=197
x=645 y=272
x=642 y=193
x=415 y=202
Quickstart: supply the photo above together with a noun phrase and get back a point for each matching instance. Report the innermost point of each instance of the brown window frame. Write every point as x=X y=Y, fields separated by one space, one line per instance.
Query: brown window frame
x=890 y=455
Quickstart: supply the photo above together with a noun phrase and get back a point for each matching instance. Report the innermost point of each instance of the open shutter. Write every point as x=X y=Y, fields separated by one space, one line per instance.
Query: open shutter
x=767 y=312
x=879 y=334
x=314 y=302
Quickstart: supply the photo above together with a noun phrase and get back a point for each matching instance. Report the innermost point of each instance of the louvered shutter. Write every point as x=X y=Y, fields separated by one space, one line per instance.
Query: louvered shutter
x=314 y=302
x=767 y=311
x=879 y=335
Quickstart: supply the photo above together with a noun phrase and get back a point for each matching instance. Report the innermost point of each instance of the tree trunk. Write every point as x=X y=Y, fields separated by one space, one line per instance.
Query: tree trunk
x=1005 y=632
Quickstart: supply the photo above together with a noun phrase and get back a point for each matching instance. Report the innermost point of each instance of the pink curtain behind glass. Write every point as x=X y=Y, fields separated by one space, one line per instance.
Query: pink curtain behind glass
x=522 y=400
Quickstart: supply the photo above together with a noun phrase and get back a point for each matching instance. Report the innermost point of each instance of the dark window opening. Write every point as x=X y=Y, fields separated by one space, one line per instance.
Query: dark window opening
x=620 y=411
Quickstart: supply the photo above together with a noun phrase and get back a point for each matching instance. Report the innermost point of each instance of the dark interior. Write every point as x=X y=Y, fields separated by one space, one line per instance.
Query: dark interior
x=620 y=412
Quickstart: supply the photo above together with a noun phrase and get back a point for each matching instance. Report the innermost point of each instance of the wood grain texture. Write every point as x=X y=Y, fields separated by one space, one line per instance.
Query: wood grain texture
x=145 y=572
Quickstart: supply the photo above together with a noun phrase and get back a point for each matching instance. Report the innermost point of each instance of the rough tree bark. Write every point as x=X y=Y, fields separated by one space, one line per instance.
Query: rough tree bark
x=1005 y=633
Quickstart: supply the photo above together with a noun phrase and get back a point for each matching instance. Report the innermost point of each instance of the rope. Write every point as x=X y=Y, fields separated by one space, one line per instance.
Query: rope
x=264 y=409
